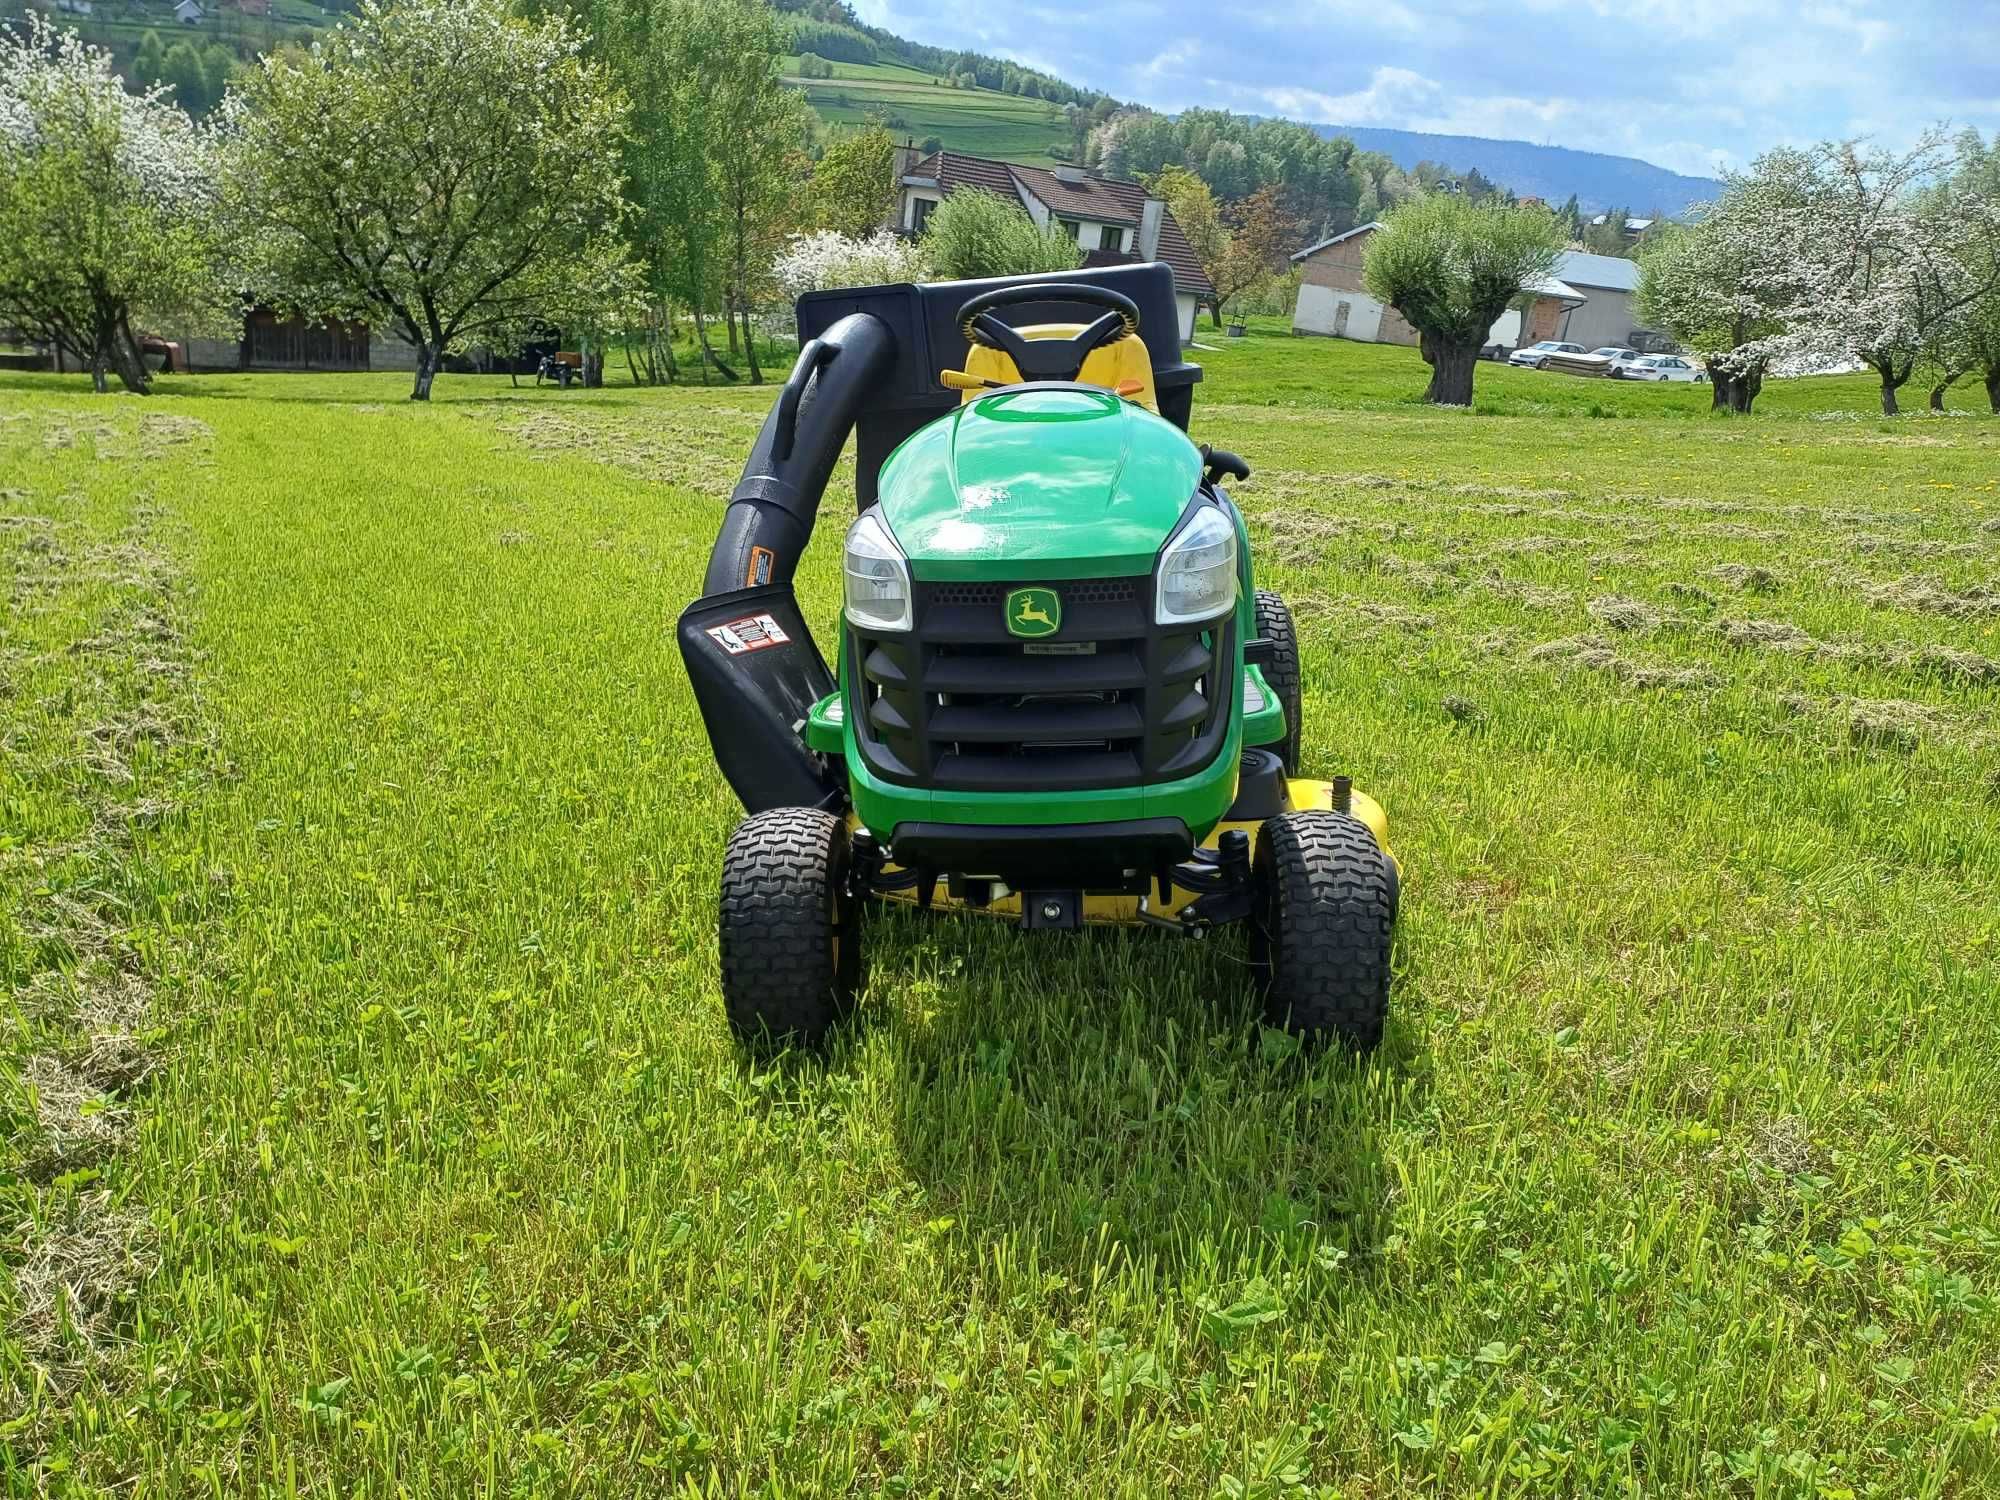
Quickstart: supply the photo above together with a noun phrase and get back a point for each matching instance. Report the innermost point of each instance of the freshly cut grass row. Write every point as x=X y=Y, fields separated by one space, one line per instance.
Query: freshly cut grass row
x=1674 y=1174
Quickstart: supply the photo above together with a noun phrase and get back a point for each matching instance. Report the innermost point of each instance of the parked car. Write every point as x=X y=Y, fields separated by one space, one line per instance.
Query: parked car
x=1535 y=355
x=1664 y=367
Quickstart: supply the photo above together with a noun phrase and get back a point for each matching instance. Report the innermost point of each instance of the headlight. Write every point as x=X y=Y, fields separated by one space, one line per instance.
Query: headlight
x=1197 y=573
x=877 y=577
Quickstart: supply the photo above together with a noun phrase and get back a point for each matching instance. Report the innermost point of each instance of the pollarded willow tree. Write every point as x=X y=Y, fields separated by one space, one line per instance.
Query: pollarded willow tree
x=107 y=209
x=1451 y=267
x=442 y=167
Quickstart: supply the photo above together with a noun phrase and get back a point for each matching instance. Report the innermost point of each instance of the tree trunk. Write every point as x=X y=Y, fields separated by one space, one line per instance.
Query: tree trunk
x=709 y=356
x=1733 y=392
x=129 y=362
x=1993 y=389
x=1937 y=394
x=1215 y=314
x=701 y=343
x=750 y=344
x=427 y=363
x=97 y=381
x=729 y=317
x=1452 y=367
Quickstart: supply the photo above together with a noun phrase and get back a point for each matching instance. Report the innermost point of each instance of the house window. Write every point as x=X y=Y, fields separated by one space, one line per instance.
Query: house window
x=1070 y=228
x=920 y=211
x=1110 y=237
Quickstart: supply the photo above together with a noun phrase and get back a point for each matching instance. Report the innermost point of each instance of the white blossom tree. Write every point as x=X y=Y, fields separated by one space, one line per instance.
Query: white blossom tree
x=1897 y=262
x=107 y=208
x=1726 y=284
x=814 y=262
x=1840 y=254
x=443 y=167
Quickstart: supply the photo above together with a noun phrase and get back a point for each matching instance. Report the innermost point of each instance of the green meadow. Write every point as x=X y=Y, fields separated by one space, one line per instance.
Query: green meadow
x=979 y=122
x=372 y=1127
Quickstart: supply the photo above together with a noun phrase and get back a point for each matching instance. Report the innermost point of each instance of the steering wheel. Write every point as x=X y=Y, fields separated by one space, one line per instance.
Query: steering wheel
x=1048 y=359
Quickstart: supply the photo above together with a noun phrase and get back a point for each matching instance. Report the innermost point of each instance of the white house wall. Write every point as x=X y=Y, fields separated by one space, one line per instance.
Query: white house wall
x=1319 y=311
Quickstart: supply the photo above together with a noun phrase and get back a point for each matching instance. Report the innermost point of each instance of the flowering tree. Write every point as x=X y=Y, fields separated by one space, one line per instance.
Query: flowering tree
x=814 y=262
x=1837 y=254
x=440 y=166
x=1899 y=262
x=107 y=208
x=1727 y=284
x=1451 y=266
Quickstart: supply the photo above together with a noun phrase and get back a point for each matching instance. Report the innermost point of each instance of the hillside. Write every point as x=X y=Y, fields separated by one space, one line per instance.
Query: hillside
x=977 y=121
x=1552 y=172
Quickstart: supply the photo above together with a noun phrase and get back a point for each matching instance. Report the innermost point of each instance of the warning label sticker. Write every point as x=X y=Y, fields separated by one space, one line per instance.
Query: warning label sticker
x=751 y=633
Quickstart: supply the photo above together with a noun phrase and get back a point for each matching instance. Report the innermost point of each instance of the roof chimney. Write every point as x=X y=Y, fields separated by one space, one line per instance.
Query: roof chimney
x=1149 y=229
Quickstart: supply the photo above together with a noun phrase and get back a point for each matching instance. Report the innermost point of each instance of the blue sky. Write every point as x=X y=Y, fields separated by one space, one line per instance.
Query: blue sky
x=1688 y=84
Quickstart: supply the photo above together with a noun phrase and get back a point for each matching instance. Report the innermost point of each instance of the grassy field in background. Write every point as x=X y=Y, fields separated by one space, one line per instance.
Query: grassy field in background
x=373 y=1129
x=980 y=122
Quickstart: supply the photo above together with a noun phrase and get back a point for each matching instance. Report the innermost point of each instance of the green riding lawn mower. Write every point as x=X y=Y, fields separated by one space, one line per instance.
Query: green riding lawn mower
x=1061 y=697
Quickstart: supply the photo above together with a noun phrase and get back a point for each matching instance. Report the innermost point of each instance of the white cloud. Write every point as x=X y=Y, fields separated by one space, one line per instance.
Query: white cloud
x=1173 y=60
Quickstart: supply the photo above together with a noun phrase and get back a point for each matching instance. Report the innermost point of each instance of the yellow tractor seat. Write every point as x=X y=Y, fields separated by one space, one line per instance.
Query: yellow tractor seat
x=1123 y=366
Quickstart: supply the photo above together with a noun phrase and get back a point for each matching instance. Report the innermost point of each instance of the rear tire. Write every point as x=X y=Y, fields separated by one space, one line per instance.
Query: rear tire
x=789 y=928
x=1323 y=911
x=1281 y=672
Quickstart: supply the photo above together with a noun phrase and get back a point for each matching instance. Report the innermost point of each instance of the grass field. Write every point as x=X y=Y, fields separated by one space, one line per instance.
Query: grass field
x=373 y=1129
x=981 y=122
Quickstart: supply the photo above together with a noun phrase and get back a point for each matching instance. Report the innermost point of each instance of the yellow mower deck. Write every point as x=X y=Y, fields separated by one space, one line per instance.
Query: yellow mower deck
x=1123 y=911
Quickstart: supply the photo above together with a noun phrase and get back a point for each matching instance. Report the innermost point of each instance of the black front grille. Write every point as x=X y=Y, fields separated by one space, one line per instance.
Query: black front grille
x=1109 y=700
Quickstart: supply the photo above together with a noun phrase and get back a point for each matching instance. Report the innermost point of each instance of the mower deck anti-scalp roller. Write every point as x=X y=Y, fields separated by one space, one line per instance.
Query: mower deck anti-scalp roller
x=1058 y=696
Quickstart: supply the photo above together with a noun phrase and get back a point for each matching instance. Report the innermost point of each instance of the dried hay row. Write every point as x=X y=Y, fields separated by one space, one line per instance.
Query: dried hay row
x=81 y=1016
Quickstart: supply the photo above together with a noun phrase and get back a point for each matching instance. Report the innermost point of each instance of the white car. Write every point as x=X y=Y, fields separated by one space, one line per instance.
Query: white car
x=1617 y=360
x=1663 y=367
x=1533 y=356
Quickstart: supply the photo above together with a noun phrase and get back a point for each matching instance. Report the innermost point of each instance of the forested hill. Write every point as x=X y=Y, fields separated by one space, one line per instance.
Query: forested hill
x=1551 y=172
x=982 y=105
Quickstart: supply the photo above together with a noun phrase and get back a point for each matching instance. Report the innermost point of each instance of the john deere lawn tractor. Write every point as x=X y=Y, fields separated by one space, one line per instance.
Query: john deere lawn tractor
x=1061 y=698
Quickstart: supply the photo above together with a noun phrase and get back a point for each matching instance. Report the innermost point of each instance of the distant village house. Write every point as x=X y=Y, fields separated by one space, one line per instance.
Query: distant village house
x=1115 y=223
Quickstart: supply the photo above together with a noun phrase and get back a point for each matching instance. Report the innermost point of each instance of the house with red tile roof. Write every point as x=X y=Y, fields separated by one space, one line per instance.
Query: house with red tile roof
x=1115 y=223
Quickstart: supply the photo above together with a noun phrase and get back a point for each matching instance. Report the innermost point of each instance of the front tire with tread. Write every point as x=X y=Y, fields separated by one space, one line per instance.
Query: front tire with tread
x=1281 y=672
x=1324 y=910
x=789 y=928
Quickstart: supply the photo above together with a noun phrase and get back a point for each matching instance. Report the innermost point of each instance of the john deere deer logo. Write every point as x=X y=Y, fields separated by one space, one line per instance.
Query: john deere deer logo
x=1033 y=612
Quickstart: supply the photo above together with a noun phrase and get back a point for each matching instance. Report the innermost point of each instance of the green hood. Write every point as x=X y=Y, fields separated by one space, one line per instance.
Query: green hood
x=1039 y=483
